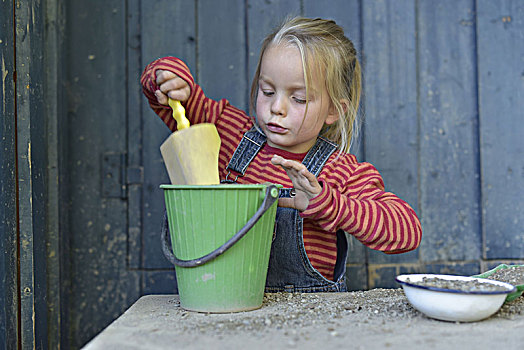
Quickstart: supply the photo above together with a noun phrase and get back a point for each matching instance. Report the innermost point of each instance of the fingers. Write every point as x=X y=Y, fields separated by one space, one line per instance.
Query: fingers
x=305 y=183
x=300 y=202
x=310 y=177
x=287 y=164
x=164 y=75
x=286 y=202
x=171 y=85
x=296 y=171
x=161 y=98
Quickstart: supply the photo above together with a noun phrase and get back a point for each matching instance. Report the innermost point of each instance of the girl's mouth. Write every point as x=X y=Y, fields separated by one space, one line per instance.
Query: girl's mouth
x=275 y=128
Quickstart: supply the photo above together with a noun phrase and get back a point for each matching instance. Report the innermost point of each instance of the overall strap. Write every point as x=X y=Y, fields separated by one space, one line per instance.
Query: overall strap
x=253 y=141
x=247 y=149
x=318 y=155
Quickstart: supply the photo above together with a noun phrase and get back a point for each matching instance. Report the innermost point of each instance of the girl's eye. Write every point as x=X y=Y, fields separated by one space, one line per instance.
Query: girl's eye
x=299 y=100
x=267 y=92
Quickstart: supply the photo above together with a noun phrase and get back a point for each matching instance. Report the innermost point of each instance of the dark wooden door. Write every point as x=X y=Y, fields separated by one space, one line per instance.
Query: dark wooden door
x=441 y=122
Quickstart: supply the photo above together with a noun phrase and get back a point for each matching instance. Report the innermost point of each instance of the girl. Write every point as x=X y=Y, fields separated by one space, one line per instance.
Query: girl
x=306 y=93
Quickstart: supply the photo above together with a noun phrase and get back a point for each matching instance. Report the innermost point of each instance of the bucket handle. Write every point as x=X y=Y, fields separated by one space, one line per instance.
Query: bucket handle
x=272 y=193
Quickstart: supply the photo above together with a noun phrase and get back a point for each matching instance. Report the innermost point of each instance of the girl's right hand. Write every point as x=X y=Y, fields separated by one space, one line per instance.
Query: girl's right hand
x=171 y=85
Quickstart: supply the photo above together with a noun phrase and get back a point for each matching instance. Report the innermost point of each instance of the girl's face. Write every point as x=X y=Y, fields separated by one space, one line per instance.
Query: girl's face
x=281 y=101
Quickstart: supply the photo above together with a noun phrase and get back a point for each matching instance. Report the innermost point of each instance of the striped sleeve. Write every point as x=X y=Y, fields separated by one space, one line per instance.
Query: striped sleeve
x=149 y=86
x=199 y=108
x=379 y=219
x=230 y=121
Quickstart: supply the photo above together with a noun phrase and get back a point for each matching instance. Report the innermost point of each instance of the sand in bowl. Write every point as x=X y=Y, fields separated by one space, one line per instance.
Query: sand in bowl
x=513 y=275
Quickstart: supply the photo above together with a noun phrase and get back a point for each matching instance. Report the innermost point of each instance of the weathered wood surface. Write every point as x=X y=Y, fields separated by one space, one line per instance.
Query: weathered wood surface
x=8 y=219
x=500 y=53
x=433 y=84
x=101 y=284
x=448 y=118
x=31 y=174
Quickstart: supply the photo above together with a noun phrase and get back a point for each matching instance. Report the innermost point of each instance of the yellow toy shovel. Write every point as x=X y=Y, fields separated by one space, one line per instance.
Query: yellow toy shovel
x=191 y=153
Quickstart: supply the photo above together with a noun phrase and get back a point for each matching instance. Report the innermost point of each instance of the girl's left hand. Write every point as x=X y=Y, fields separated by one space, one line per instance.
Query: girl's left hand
x=305 y=183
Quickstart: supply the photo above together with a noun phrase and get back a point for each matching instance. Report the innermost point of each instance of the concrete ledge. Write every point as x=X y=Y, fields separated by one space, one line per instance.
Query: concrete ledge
x=379 y=318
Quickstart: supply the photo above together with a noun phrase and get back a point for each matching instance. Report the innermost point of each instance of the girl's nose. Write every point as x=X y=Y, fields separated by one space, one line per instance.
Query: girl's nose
x=278 y=107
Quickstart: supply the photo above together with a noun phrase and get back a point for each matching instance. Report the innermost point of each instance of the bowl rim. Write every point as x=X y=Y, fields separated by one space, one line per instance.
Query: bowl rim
x=510 y=288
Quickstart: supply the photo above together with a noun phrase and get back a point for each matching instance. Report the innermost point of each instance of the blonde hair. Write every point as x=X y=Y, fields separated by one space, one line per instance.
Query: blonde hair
x=324 y=47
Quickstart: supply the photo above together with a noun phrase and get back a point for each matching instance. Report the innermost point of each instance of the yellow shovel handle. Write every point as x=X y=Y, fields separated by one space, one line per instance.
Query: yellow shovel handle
x=179 y=113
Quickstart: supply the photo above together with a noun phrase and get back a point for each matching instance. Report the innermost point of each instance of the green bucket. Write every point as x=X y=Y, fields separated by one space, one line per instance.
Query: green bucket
x=221 y=238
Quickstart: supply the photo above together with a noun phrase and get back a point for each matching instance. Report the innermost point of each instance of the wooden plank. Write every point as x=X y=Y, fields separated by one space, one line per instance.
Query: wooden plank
x=101 y=285
x=454 y=268
x=57 y=242
x=221 y=45
x=31 y=145
x=357 y=277
x=449 y=167
x=345 y=13
x=159 y=282
x=390 y=129
x=9 y=317
x=500 y=33
x=168 y=28
x=135 y=143
x=383 y=276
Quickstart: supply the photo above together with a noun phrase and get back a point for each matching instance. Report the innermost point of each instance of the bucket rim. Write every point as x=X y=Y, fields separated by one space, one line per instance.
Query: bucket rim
x=218 y=187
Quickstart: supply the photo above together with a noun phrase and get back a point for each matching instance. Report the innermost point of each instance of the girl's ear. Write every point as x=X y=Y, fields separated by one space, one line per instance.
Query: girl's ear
x=333 y=115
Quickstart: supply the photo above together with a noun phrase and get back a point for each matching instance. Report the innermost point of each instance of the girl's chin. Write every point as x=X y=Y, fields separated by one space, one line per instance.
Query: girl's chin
x=285 y=146
x=277 y=143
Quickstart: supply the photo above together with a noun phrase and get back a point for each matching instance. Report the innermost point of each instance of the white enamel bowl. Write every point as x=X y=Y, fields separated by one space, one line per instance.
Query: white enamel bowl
x=450 y=304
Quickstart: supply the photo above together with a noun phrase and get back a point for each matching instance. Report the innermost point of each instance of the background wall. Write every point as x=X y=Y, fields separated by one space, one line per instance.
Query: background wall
x=442 y=122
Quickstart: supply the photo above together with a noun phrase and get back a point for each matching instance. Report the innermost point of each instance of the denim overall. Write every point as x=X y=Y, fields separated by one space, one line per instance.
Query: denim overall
x=289 y=267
